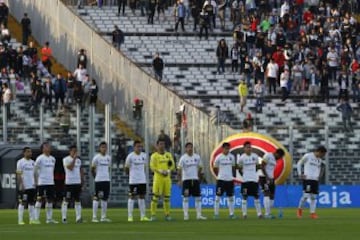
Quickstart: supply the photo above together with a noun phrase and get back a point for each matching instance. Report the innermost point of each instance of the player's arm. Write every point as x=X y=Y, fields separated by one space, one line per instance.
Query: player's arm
x=70 y=164
x=93 y=167
x=127 y=164
x=239 y=166
x=216 y=166
x=263 y=167
x=299 y=167
x=19 y=178
x=36 y=171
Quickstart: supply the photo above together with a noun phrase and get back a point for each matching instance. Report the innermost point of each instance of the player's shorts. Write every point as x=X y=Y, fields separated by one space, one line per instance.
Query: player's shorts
x=46 y=191
x=267 y=186
x=250 y=189
x=224 y=187
x=311 y=186
x=162 y=187
x=27 y=196
x=102 y=190
x=72 y=191
x=137 y=189
x=191 y=187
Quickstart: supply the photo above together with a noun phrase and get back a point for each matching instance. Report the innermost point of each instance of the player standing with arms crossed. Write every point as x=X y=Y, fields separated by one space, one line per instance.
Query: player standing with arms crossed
x=100 y=169
x=74 y=179
x=26 y=183
x=247 y=164
x=224 y=168
x=44 y=179
x=310 y=176
x=161 y=163
x=267 y=182
x=135 y=167
x=189 y=175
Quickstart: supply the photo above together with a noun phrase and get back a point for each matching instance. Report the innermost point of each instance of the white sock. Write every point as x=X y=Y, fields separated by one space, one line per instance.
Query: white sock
x=198 y=206
x=231 y=205
x=258 y=207
x=78 y=210
x=185 y=205
x=313 y=203
x=267 y=203
x=31 y=212
x=244 y=207
x=21 y=213
x=95 y=208
x=303 y=199
x=141 y=203
x=37 y=210
x=103 y=209
x=216 y=205
x=64 y=208
x=49 y=211
x=130 y=207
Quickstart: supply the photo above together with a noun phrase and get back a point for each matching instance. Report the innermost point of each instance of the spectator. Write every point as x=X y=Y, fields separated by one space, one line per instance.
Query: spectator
x=13 y=77
x=356 y=86
x=93 y=92
x=82 y=58
x=78 y=94
x=86 y=91
x=297 y=74
x=259 y=91
x=234 y=54
x=161 y=5
x=343 y=81
x=324 y=86
x=333 y=60
x=313 y=85
x=70 y=82
x=221 y=54
x=204 y=23
x=179 y=13
x=221 y=13
x=117 y=37
x=6 y=99
x=195 y=13
x=243 y=93
x=121 y=4
x=166 y=139
x=158 y=66
x=48 y=93
x=80 y=74
x=46 y=53
x=271 y=75
x=346 y=112
x=26 y=29
x=152 y=5
x=4 y=13
x=284 y=83
x=59 y=89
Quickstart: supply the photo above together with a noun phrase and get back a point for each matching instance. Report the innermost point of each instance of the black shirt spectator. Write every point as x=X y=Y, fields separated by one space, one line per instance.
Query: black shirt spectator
x=26 y=28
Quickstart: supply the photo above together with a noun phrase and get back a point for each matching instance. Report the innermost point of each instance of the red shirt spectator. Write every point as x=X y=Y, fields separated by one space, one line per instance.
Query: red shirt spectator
x=279 y=57
x=308 y=16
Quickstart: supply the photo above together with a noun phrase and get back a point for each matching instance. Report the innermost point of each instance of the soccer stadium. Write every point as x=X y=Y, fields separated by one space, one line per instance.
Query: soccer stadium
x=179 y=119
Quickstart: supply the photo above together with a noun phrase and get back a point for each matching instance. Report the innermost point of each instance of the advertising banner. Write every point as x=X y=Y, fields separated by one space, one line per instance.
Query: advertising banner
x=286 y=196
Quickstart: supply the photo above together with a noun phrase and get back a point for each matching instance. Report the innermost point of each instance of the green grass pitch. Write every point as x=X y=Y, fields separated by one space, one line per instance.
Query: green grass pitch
x=343 y=224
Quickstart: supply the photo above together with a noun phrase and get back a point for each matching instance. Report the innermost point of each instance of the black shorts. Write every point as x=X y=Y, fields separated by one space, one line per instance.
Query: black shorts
x=224 y=187
x=267 y=186
x=311 y=186
x=27 y=196
x=102 y=190
x=137 y=189
x=46 y=191
x=250 y=189
x=191 y=187
x=72 y=192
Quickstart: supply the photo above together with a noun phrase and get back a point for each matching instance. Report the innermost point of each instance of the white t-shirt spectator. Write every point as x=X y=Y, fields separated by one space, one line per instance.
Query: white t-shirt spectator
x=272 y=70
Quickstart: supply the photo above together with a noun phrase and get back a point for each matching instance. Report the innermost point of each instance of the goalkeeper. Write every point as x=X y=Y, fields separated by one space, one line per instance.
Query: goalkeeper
x=161 y=163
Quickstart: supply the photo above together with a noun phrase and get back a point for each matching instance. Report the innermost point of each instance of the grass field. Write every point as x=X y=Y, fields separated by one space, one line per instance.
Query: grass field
x=334 y=224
